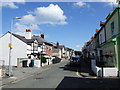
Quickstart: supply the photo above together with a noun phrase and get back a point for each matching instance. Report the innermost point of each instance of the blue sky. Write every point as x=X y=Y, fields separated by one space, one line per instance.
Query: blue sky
x=70 y=23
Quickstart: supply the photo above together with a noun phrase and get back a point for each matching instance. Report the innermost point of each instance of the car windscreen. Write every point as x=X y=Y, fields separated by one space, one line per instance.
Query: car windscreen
x=75 y=58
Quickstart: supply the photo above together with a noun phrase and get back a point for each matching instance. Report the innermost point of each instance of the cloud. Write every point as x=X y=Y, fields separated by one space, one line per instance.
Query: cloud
x=111 y=2
x=11 y=3
x=20 y=28
x=78 y=47
x=52 y=14
x=80 y=4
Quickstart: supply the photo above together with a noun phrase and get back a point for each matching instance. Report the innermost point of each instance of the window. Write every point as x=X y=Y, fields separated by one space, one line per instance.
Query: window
x=112 y=28
x=100 y=39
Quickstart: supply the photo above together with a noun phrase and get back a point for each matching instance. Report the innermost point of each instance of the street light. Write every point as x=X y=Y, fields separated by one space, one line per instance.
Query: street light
x=10 y=47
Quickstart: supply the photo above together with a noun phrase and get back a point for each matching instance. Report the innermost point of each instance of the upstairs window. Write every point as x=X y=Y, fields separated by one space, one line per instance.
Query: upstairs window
x=112 y=28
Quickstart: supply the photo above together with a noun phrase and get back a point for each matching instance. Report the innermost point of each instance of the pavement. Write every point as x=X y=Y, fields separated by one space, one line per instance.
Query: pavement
x=20 y=73
x=85 y=70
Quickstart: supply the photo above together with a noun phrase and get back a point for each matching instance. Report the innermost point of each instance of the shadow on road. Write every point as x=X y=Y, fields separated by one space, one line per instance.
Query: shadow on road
x=69 y=68
x=83 y=68
x=89 y=84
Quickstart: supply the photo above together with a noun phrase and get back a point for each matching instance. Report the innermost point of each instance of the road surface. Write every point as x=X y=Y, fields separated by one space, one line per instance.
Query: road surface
x=61 y=75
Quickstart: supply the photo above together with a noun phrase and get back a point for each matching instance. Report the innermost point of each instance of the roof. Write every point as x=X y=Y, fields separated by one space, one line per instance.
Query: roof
x=59 y=47
x=39 y=39
x=47 y=43
x=55 y=50
x=22 y=38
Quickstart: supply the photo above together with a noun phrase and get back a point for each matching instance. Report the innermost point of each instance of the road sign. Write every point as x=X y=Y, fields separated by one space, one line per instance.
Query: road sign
x=10 y=45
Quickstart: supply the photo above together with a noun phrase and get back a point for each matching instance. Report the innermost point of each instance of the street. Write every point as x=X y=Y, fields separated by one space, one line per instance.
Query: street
x=61 y=75
x=46 y=79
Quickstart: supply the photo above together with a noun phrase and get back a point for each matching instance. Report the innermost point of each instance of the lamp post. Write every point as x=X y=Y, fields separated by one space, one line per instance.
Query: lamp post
x=10 y=47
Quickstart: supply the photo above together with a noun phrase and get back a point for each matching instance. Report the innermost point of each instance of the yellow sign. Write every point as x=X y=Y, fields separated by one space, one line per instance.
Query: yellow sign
x=10 y=45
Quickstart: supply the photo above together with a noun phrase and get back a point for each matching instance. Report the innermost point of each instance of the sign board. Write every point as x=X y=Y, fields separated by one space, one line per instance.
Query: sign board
x=10 y=45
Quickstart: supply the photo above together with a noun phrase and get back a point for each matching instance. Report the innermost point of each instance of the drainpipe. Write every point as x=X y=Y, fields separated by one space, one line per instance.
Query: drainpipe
x=116 y=51
x=118 y=38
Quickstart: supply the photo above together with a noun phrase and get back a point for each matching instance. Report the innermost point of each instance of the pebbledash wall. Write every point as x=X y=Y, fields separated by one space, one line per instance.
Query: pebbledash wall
x=19 y=49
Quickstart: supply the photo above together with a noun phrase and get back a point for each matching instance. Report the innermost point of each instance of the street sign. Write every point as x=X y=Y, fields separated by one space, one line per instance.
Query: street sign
x=10 y=45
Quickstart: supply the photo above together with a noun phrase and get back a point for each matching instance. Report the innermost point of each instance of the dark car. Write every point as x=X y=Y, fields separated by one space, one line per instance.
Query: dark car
x=56 y=60
x=75 y=61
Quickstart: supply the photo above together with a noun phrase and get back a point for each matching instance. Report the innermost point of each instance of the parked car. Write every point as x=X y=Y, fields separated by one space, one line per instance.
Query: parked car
x=75 y=61
x=56 y=60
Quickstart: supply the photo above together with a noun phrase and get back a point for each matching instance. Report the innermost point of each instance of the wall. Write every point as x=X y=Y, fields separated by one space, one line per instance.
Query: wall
x=110 y=49
x=102 y=36
x=108 y=26
x=29 y=48
x=19 y=49
x=107 y=71
x=110 y=72
x=49 y=50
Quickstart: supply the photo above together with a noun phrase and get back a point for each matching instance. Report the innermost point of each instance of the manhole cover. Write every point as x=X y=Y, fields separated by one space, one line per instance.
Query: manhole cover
x=37 y=78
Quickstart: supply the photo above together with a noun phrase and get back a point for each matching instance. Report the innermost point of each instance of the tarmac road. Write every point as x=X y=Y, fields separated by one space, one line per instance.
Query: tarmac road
x=61 y=75
x=49 y=78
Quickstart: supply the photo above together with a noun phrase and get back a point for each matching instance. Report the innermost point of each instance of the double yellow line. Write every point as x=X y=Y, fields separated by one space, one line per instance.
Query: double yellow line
x=78 y=74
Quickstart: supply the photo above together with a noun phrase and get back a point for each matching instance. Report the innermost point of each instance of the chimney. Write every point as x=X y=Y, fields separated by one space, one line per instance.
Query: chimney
x=28 y=34
x=97 y=30
x=42 y=35
x=101 y=23
x=57 y=44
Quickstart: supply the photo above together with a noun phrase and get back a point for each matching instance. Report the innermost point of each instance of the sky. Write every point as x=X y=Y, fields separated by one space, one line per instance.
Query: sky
x=69 y=23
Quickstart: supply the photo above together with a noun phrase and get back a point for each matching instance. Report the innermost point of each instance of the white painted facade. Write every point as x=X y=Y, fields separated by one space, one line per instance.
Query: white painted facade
x=29 y=48
x=19 y=49
x=60 y=53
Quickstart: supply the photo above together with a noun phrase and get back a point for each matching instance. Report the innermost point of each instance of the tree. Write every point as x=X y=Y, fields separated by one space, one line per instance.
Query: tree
x=78 y=53
x=43 y=59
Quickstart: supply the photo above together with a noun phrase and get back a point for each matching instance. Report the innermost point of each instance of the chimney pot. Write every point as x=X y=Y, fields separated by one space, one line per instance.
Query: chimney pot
x=57 y=44
x=28 y=30
x=101 y=23
x=97 y=30
x=42 y=35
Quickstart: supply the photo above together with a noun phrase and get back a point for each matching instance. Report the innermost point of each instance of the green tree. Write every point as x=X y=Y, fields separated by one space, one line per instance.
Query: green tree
x=43 y=59
x=78 y=53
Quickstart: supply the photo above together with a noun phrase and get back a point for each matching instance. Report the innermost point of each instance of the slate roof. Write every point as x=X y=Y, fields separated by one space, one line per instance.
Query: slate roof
x=55 y=50
x=39 y=39
x=22 y=38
